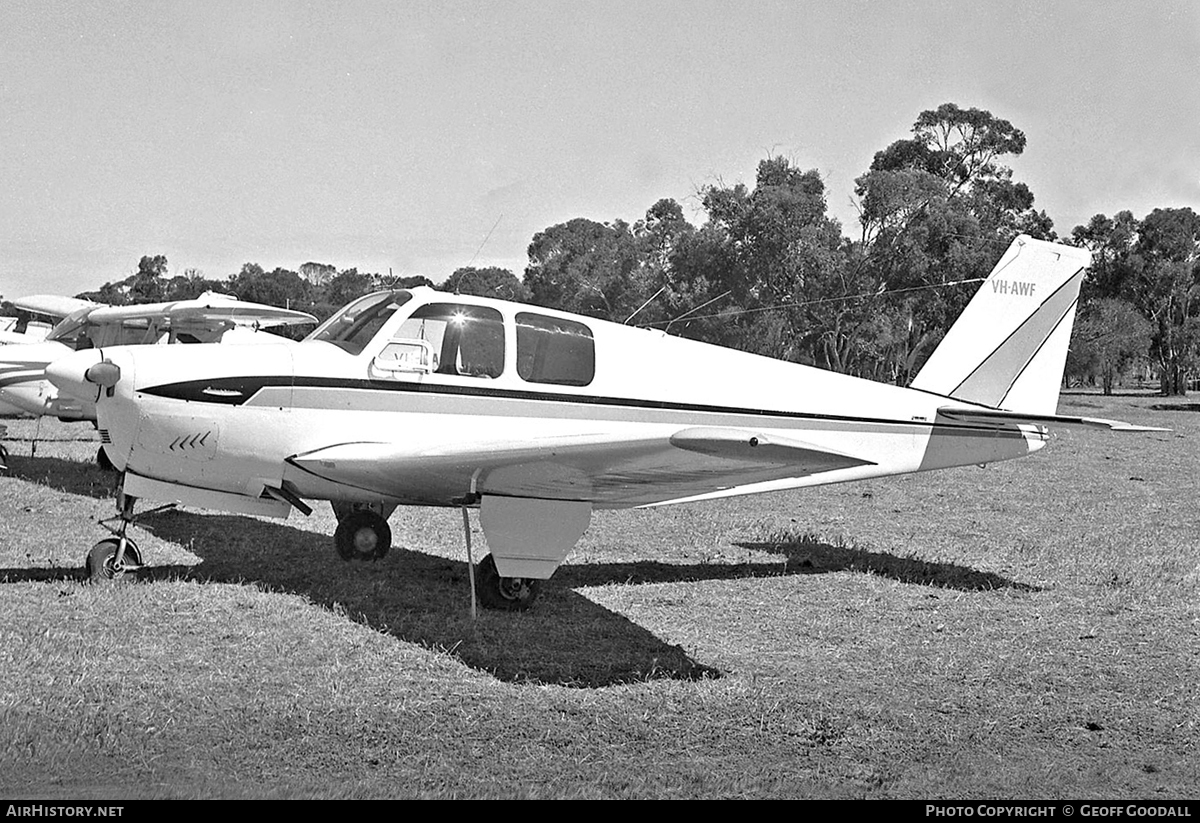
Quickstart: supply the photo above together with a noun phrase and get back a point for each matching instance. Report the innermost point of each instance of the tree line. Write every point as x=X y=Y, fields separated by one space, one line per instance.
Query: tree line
x=771 y=272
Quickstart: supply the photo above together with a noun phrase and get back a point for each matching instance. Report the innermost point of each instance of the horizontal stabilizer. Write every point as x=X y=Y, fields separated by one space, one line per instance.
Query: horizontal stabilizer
x=993 y=416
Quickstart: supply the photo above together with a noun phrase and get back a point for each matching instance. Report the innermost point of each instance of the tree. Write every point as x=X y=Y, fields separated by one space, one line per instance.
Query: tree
x=1109 y=335
x=585 y=267
x=346 y=286
x=785 y=267
x=1166 y=262
x=147 y=285
x=280 y=287
x=487 y=282
x=936 y=211
x=1110 y=241
x=318 y=274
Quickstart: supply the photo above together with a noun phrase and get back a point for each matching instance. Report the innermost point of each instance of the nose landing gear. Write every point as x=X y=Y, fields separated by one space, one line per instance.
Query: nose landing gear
x=114 y=557
x=117 y=557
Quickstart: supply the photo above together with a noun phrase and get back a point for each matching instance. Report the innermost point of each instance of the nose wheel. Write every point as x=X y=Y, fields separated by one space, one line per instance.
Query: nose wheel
x=117 y=557
x=109 y=561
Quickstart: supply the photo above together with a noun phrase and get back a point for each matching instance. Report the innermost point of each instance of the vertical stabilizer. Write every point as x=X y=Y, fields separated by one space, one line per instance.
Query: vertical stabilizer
x=1008 y=348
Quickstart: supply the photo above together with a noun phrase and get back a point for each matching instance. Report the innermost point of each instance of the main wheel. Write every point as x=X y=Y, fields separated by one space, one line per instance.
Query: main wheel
x=362 y=535
x=101 y=561
x=510 y=594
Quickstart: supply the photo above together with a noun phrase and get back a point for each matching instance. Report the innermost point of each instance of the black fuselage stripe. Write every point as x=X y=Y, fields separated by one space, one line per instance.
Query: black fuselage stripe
x=241 y=390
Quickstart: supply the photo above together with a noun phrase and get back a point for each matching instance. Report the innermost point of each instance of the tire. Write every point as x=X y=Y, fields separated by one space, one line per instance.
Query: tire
x=99 y=565
x=509 y=594
x=362 y=535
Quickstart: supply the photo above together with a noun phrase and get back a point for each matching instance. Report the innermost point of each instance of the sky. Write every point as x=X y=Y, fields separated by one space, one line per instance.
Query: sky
x=419 y=137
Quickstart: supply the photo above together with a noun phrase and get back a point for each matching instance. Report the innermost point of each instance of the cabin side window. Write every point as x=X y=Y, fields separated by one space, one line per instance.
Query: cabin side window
x=466 y=340
x=552 y=350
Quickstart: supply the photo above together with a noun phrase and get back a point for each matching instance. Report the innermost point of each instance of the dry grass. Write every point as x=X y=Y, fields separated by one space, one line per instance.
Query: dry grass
x=1025 y=631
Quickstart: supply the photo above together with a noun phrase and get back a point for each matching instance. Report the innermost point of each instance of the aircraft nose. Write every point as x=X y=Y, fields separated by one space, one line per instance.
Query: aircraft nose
x=80 y=374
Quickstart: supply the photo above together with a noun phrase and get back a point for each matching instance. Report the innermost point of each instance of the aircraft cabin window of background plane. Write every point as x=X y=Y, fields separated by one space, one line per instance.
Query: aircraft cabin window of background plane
x=552 y=350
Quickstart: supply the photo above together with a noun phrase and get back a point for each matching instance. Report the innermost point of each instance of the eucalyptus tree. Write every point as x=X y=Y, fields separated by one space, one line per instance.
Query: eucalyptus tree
x=938 y=209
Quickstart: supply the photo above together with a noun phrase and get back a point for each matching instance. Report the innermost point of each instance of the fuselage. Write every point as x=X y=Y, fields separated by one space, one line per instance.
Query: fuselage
x=421 y=374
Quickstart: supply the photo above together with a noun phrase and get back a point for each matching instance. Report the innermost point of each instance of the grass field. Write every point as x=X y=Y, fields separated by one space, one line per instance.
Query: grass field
x=1028 y=630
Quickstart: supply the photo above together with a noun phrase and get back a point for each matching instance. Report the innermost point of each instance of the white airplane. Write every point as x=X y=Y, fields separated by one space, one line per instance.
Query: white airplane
x=212 y=317
x=538 y=417
x=34 y=329
x=25 y=331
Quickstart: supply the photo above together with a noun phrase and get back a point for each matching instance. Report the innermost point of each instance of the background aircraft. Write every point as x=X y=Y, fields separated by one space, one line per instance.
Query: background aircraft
x=33 y=329
x=538 y=417
x=212 y=317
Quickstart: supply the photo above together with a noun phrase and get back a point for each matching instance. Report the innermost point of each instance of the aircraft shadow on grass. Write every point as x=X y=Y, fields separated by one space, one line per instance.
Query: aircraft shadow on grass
x=805 y=555
x=421 y=598
x=71 y=476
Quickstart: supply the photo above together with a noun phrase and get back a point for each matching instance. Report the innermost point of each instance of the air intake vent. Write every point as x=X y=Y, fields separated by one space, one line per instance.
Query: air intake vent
x=104 y=438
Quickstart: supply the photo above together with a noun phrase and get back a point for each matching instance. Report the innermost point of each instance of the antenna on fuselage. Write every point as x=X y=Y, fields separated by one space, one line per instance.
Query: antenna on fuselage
x=485 y=239
x=698 y=308
x=644 y=305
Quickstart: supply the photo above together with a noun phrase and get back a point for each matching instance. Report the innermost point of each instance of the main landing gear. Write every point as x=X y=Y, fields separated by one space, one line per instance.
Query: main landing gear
x=510 y=594
x=363 y=532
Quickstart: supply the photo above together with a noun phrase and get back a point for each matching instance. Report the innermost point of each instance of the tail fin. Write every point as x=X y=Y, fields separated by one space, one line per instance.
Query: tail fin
x=1008 y=348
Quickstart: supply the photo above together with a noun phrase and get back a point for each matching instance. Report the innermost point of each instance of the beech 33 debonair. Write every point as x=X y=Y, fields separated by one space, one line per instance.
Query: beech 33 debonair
x=537 y=417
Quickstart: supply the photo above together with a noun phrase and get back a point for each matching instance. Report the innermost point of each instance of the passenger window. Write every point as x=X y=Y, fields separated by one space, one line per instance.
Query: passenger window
x=466 y=340
x=551 y=350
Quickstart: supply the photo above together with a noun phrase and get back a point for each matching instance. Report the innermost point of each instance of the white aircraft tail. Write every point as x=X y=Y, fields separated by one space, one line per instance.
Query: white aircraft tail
x=1008 y=348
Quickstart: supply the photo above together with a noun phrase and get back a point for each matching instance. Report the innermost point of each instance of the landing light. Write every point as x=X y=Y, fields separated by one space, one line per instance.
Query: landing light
x=105 y=373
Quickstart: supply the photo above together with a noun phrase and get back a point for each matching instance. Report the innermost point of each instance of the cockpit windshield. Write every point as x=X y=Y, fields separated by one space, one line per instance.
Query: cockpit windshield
x=353 y=327
x=70 y=328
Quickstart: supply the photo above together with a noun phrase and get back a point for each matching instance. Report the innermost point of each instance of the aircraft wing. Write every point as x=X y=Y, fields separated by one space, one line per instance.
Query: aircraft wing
x=52 y=305
x=994 y=416
x=605 y=469
x=209 y=307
